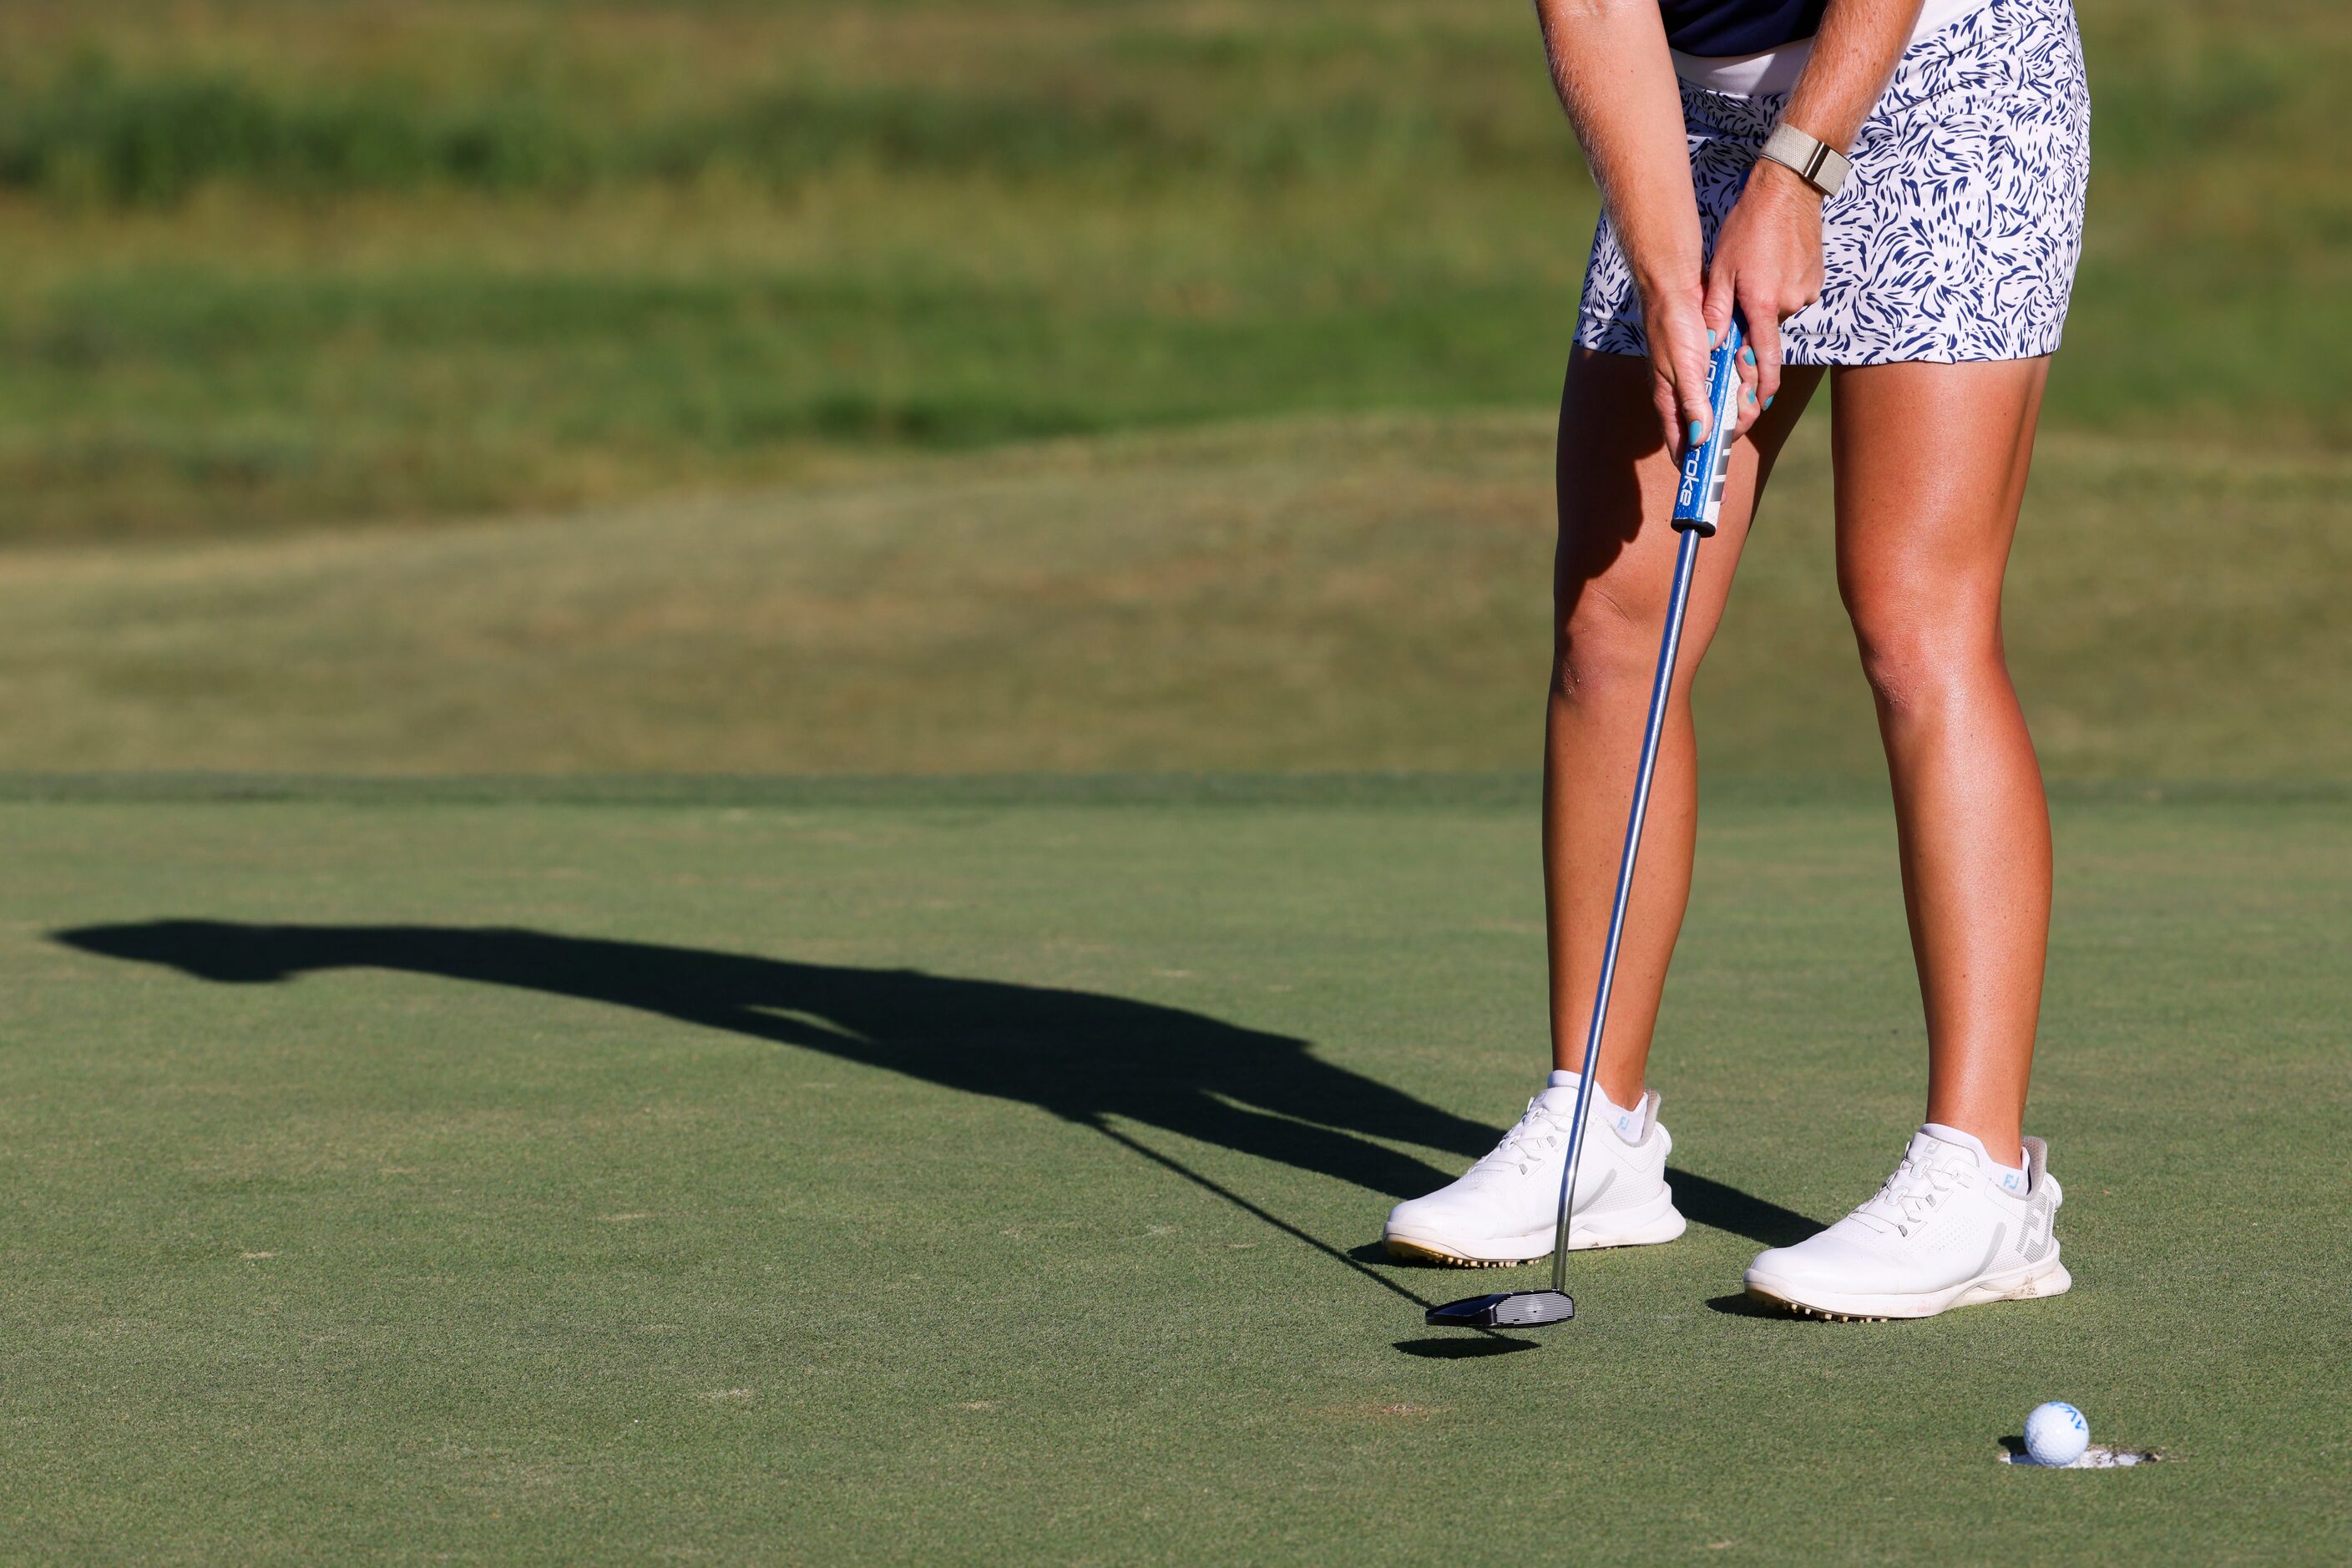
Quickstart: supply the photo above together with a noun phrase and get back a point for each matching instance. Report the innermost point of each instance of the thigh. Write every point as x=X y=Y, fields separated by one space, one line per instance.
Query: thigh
x=1616 y=479
x=1931 y=466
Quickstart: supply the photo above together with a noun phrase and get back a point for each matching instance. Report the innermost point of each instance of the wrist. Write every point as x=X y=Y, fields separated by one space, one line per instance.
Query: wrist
x=1820 y=166
x=1779 y=182
x=1664 y=253
x=1682 y=280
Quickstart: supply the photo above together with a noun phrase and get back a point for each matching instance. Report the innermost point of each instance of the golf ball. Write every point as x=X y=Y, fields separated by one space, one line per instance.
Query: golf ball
x=2056 y=1434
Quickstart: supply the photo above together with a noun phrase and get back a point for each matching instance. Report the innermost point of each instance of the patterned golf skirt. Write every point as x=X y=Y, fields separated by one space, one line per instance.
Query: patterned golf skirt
x=1956 y=236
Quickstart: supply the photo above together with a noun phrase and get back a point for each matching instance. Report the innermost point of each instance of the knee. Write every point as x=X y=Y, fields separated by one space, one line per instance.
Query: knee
x=1600 y=650
x=1916 y=649
x=1901 y=670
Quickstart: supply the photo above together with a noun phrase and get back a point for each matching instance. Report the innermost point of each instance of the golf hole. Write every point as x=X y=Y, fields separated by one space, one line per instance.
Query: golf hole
x=2097 y=1457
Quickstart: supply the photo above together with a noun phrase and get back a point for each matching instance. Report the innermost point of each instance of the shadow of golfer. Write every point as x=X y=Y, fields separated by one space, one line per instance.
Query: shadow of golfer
x=1707 y=1202
x=1092 y=1059
x=1089 y=1058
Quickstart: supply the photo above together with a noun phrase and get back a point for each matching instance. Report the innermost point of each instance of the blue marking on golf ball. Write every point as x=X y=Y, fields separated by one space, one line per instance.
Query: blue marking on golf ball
x=2056 y=1434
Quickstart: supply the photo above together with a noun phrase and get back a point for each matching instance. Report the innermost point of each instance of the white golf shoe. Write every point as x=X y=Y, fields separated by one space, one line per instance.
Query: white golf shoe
x=1946 y=1230
x=1504 y=1210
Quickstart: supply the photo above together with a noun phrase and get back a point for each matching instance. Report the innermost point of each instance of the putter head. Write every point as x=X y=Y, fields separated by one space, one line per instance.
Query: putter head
x=1504 y=1309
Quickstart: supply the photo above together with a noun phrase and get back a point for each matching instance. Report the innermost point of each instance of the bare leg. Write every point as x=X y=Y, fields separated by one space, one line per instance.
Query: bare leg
x=1611 y=583
x=1931 y=466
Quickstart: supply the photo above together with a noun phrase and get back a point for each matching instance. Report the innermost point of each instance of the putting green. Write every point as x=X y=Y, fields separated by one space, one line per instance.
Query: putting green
x=747 y=1173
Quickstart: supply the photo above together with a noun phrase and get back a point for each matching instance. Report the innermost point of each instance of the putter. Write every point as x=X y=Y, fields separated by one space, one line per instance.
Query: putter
x=1697 y=504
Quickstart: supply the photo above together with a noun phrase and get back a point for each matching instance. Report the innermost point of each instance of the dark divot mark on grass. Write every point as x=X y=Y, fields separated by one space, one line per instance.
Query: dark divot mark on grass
x=1463 y=1349
x=1721 y=1207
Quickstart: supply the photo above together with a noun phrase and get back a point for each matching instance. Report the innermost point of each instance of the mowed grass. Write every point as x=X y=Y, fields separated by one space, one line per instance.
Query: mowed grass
x=1315 y=595
x=277 y=264
x=765 y=1176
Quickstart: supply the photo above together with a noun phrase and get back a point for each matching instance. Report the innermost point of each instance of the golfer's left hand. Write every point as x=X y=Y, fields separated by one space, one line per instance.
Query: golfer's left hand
x=1768 y=262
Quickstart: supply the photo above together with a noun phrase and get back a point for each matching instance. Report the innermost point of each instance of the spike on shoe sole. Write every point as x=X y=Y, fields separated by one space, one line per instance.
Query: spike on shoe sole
x=1414 y=1252
x=1799 y=1309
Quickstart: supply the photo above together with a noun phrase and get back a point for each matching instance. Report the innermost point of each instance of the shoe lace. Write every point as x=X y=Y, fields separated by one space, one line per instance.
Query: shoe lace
x=1531 y=1139
x=1915 y=1188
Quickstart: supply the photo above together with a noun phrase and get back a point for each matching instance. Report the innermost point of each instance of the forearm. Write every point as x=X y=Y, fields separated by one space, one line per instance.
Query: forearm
x=1852 y=58
x=1616 y=79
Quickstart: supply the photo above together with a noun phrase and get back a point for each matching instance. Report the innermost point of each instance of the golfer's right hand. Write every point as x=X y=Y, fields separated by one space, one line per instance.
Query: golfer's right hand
x=1676 y=325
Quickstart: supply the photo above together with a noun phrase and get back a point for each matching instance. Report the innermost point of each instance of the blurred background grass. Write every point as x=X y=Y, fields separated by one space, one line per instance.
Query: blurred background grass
x=285 y=270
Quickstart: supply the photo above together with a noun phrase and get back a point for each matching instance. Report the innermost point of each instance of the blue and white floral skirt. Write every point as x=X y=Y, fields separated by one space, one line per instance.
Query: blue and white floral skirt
x=1956 y=236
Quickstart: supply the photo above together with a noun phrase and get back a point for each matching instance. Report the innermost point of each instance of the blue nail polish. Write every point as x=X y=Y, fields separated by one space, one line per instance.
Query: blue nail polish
x=1747 y=355
x=1694 y=434
x=1710 y=340
x=1751 y=397
x=1767 y=402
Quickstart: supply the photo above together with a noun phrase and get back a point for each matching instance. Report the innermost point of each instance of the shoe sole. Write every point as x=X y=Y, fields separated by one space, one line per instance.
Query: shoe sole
x=1649 y=1232
x=2042 y=1280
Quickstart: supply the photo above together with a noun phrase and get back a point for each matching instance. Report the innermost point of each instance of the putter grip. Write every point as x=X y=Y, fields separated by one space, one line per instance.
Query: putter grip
x=1699 y=500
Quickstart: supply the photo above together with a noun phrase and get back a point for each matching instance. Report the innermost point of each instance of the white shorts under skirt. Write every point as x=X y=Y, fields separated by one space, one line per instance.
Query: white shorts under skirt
x=1957 y=234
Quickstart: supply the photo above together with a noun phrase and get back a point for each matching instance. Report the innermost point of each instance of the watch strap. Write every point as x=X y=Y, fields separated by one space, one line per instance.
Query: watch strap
x=1817 y=164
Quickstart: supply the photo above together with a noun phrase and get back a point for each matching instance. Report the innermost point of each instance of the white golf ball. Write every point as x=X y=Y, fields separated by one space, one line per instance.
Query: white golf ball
x=2056 y=1434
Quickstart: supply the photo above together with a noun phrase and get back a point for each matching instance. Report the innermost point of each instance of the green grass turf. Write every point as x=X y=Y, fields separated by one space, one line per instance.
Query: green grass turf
x=811 y=1220
x=1317 y=594
x=274 y=263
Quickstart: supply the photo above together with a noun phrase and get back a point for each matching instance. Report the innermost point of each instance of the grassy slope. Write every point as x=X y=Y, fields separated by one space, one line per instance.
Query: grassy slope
x=276 y=263
x=1319 y=596
x=399 y=1264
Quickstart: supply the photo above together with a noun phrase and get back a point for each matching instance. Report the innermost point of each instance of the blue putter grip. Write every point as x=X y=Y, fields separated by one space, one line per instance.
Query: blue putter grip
x=1699 y=501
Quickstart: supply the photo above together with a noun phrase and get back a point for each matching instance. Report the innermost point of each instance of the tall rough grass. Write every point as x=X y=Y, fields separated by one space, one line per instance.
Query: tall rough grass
x=277 y=261
x=106 y=129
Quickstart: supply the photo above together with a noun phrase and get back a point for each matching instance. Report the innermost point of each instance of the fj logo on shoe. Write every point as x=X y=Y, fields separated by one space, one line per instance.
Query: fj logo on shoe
x=2035 y=1239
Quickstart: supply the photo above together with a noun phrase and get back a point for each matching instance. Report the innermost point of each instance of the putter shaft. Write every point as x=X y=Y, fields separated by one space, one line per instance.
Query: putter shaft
x=1697 y=502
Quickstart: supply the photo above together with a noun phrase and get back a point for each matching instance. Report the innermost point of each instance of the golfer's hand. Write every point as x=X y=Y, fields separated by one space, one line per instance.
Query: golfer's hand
x=1768 y=262
x=1675 y=326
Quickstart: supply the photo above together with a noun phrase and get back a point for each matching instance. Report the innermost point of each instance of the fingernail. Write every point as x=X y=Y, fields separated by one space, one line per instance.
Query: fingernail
x=1767 y=402
x=1694 y=434
x=1751 y=397
x=1747 y=355
x=1710 y=340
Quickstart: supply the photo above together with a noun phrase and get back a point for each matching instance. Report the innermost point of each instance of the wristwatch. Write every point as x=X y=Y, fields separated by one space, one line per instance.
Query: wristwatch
x=1817 y=164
